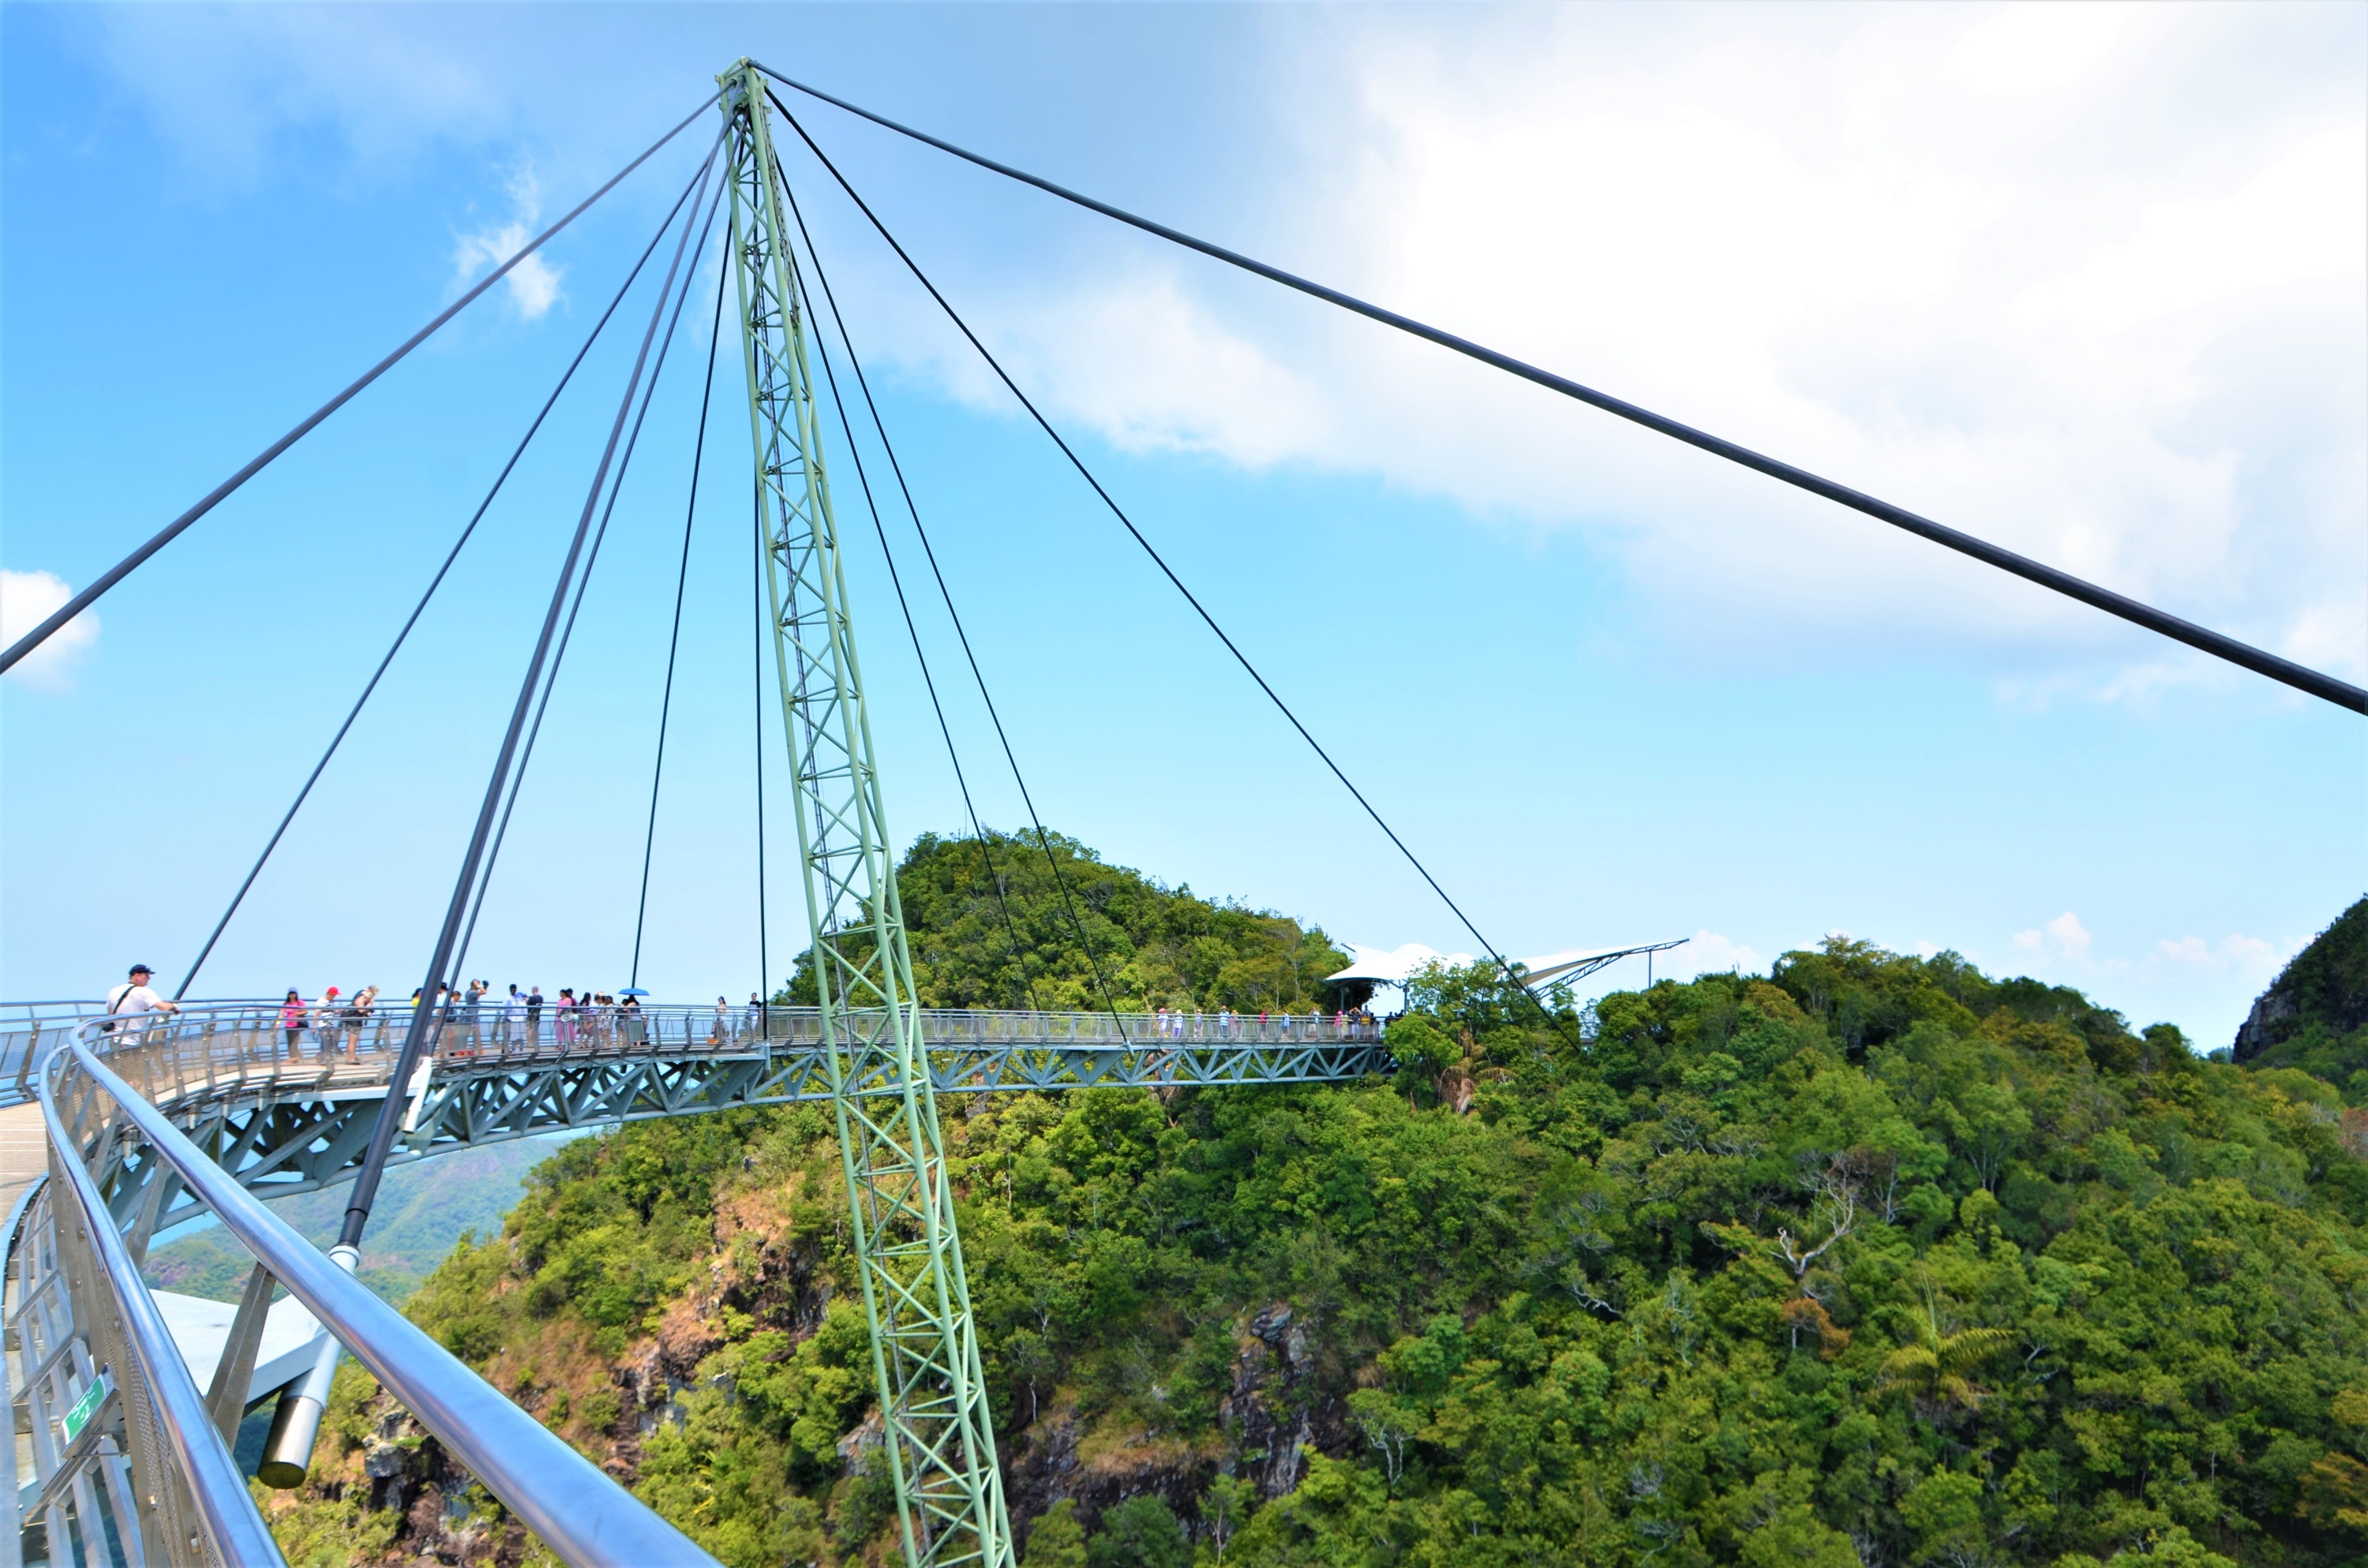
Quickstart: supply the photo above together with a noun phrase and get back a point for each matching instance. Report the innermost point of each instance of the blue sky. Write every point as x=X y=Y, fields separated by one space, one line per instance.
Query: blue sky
x=2085 y=280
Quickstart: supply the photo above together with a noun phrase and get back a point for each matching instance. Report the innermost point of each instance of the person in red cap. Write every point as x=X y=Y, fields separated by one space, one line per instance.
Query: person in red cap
x=325 y=1024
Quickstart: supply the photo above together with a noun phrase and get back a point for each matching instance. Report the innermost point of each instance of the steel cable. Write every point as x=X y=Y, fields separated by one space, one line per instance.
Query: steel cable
x=674 y=638
x=1043 y=843
x=389 y=1115
x=1120 y=513
x=172 y=531
x=757 y=603
x=895 y=578
x=454 y=554
x=583 y=585
x=2218 y=644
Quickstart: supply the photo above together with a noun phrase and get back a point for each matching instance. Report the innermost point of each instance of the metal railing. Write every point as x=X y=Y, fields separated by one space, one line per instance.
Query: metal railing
x=28 y=1031
x=151 y=1466
x=186 y=1502
x=100 y=1125
x=239 y=1049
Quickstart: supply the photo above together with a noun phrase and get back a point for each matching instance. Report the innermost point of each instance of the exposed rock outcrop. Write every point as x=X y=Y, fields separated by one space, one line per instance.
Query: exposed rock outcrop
x=2327 y=986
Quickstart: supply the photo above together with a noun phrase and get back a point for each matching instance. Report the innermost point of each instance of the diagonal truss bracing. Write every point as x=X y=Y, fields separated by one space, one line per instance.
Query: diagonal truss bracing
x=941 y=1444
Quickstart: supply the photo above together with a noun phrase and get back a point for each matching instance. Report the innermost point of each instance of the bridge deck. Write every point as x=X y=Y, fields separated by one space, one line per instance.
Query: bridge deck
x=287 y=1116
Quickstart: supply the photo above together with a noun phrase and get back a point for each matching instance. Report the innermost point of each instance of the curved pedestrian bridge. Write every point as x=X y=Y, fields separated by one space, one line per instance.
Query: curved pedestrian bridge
x=156 y=1121
x=288 y=1115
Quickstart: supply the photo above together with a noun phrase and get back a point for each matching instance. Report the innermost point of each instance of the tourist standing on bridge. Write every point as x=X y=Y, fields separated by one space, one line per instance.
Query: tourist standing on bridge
x=293 y=1015
x=757 y=1015
x=354 y=1016
x=722 y=1026
x=562 y=1018
x=134 y=997
x=325 y=1024
x=477 y=989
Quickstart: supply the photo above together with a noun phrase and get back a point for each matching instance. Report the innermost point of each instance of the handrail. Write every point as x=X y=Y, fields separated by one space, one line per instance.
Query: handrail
x=225 y=1512
x=575 y=1506
x=241 y=1048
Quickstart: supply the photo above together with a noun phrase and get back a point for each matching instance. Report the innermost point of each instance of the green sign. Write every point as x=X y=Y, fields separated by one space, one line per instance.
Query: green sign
x=86 y=1406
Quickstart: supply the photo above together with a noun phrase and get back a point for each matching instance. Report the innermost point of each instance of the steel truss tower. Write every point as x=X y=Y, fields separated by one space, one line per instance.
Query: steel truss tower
x=940 y=1437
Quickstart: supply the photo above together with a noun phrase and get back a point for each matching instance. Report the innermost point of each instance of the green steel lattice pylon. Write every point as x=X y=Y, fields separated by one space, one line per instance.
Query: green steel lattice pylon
x=940 y=1438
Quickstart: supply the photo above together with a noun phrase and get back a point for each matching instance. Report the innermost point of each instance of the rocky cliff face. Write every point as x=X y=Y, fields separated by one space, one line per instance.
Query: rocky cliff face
x=2325 y=986
x=1284 y=1402
x=389 y=1495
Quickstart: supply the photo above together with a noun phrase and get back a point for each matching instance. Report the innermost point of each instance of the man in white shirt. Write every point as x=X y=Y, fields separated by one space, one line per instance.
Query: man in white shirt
x=134 y=997
x=513 y=1016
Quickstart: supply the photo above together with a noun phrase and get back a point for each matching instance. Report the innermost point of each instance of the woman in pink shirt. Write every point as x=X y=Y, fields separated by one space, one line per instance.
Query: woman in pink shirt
x=293 y=1015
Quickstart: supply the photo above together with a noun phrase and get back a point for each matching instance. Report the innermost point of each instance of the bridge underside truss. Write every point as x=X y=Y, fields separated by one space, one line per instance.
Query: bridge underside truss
x=282 y=1141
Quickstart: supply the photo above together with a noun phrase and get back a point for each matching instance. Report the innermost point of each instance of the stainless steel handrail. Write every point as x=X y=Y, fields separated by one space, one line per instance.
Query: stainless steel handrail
x=28 y=1031
x=235 y=1050
x=225 y=1512
x=575 y=1507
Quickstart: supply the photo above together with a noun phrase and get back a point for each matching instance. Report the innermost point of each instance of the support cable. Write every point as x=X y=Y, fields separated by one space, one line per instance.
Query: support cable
x=173 y=531
x=756 y=601
x=1118 y=512
x=674 y=640
x=1043 y=840
x=2218 y=644
x=1017 y=949
x=583 y=586
x=391 y=1109
x=420 y=608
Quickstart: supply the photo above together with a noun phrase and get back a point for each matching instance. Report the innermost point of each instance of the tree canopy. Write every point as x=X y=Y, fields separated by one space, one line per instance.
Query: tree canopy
x=2315 y=1015
x=1068 y=924
x=1872 y=1259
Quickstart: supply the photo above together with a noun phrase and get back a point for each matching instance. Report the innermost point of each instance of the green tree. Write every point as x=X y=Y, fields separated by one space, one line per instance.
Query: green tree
x=1141 y=1532
x=1056 y=1539
x=1874 y=1257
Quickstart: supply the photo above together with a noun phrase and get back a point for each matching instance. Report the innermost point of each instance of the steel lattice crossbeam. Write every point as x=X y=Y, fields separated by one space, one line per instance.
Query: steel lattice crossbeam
x=281 y=1135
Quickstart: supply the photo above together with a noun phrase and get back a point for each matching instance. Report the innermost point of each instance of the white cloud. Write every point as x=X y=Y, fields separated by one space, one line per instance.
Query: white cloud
x=2097 y=326
x=28 y=598
x=2173 y=967
x=533 y=284
x=2030 y=48
x=1710 y=953
x=2085 y=280
x=2246 y=956
x=2063 y=940
x=232 y=85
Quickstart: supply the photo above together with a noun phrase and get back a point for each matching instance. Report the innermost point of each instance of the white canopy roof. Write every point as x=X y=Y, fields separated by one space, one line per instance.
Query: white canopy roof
x=1393 y=966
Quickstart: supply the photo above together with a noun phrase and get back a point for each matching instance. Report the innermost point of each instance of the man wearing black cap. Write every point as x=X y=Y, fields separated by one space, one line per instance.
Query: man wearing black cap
x=134 y=997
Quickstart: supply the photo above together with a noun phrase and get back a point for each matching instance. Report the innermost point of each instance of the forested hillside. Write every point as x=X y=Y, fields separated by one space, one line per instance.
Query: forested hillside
x=2315 y=1015
x=1874 y=1260
x=422 y=1211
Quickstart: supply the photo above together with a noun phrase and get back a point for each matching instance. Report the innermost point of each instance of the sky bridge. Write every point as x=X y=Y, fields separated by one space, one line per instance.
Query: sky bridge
x=114 y=1130
x=278 y=1115
x=284 y=1120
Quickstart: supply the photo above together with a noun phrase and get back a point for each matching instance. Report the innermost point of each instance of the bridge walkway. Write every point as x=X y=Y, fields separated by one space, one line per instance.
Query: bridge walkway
x=204 y=1110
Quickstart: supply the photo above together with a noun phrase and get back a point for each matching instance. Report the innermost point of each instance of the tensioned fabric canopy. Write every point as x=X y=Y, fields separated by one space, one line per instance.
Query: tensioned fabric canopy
x=1395 y=966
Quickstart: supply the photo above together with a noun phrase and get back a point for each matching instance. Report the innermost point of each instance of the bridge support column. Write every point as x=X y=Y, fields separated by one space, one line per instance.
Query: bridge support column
x=940 y=1435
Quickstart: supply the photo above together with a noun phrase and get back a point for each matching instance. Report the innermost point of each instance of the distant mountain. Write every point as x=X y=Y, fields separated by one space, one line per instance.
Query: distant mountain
x=422 y=1211
x=2314 y=1016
